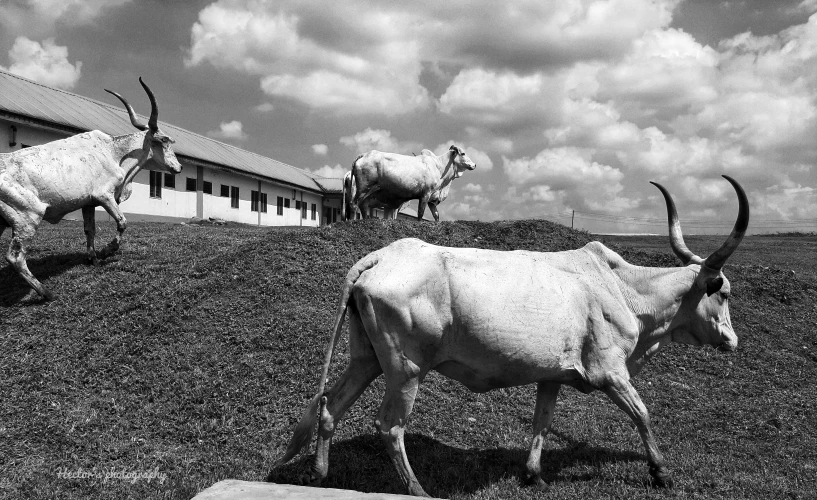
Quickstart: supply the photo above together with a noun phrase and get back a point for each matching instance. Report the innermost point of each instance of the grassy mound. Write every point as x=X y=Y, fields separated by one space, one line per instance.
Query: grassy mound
x=192 y=353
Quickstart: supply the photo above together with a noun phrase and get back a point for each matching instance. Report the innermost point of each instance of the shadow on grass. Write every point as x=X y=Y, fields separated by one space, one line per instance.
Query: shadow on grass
x=362 y=464
x=15 y=291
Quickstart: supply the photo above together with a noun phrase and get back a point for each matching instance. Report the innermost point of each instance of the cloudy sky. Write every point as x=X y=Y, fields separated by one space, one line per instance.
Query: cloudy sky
x=565 y=105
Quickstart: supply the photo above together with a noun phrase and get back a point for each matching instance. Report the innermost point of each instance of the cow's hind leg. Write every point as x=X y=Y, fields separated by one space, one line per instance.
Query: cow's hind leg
x=110 y=206
x=363 y=368
x=625 y=397
x=89 y=224
x=546 y=395
x=16 y=255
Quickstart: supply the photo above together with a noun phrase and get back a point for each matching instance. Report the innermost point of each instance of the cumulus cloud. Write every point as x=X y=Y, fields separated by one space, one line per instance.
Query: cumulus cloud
x=233 y=130
x=338 y=171
x=265 y=107
x=47 y=63
x=364 y=56
x=320 y=149
x=38 y=17
x=568 y=175
x=380 y=140
x=471 y=188
x=286 y=46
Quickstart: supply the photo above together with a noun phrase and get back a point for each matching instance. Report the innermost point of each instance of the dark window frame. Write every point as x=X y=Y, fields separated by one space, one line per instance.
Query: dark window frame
x=234 y=197
x=280 y=204
x=255 y=198
x=170 y=180
x=314 y=211
x=207 y=187
x=263 y=203
x=225 y=191
x=156 y=179
x=190 y=183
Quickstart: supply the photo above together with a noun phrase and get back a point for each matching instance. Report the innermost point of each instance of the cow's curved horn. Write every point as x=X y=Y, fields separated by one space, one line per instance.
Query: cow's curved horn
x=154 y=109
x=717 y=259
x=676 y=238
x=135 y=121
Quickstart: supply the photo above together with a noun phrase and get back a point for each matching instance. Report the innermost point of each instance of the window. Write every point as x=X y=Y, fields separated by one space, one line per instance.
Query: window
x=286 y=202
x=155 y=184
x=263 y=202
x=254 y=198
x=170 y=180
x=303 y=210
x=233 y=196
x=297 y=205
x=190 y=185
x=225 y=191
x=280 y=203
x=208 y=187
x=314 y=211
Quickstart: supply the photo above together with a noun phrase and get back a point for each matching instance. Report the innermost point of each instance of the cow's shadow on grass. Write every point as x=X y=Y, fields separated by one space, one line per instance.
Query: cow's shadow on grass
x=362 y=464
x=15 y=291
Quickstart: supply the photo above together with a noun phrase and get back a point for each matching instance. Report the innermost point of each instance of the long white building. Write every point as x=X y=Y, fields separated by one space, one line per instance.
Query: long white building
x=218 y=180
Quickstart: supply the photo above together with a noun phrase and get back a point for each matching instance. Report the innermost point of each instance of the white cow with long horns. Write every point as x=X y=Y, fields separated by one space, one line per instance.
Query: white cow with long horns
x=83 y=171
x=490 y=319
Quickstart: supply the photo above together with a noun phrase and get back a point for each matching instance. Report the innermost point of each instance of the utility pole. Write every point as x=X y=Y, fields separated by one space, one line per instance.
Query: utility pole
x=571 y=219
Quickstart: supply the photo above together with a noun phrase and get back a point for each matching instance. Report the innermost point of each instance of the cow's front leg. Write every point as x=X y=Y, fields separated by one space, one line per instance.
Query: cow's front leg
x=546 y=394
x=433 y=208
x=421 y=208
x=623 y=394
x=112 y=208
x=89 y=224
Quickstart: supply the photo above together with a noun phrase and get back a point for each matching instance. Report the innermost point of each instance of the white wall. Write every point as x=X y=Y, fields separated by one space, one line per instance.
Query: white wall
x=26 y=135
x=175 y=202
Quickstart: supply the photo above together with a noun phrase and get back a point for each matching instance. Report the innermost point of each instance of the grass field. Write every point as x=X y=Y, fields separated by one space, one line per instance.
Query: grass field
x=191 y=354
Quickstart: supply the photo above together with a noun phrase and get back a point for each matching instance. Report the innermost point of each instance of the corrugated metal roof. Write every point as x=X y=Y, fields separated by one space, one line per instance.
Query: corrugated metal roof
x=24 y=97
x=329 y=184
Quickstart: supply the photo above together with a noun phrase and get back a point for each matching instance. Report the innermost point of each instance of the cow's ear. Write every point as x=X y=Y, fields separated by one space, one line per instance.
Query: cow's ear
x=452 y=148
x=713 y=285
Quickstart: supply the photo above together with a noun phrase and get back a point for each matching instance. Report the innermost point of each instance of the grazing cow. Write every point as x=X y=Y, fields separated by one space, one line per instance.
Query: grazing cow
x=390 y=180
x=84 y=171
x=490 y=319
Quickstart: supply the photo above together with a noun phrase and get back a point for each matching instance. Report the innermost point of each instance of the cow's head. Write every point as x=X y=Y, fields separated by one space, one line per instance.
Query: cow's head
x=460 y=161
x=157 y=146
x=703 y=316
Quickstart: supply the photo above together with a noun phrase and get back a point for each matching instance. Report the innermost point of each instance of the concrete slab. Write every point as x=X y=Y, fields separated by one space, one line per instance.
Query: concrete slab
x=233 y=489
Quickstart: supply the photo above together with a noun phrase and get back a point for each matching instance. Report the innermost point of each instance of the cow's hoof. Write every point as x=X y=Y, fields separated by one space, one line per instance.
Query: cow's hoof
x=37 y=297
x=661 y=478
x=309 y=480
x=311 y=477
x=533 y=480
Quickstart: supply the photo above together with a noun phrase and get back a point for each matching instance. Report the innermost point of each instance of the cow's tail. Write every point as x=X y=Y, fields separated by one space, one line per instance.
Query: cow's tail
x=302 y=436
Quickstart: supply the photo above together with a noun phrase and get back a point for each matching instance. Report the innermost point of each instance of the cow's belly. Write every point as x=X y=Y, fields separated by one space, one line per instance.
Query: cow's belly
x=503 y=353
